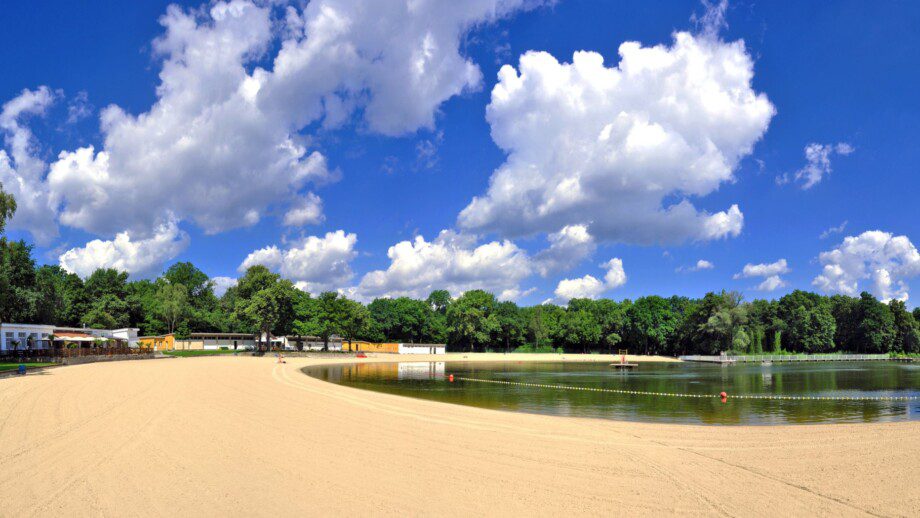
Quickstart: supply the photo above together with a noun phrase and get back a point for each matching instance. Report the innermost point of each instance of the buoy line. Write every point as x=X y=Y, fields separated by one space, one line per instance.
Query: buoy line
x=687 y=395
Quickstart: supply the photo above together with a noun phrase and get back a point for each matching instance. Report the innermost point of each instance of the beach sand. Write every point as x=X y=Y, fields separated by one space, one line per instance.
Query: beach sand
x=245 y=436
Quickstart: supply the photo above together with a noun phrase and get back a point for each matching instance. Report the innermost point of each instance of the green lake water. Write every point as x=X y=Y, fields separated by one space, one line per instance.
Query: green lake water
x=427 y=380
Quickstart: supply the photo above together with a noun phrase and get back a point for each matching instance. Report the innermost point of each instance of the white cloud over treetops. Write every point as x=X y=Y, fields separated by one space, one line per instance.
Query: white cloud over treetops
x=139 y=257
x=589 y=286
x=314 y=263
x=876 y=261
x=222 y=284
x=451 y=261
x=610 y=147
x=770 y=272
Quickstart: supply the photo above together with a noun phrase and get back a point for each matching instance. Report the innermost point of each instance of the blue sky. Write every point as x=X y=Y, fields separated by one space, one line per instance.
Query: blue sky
x=408 y=153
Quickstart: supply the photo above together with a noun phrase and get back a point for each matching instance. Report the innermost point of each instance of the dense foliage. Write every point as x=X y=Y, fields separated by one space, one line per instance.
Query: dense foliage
x=183 y=300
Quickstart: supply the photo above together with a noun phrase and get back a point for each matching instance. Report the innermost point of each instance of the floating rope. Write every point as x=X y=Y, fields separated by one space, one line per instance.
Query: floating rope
x=698 y=396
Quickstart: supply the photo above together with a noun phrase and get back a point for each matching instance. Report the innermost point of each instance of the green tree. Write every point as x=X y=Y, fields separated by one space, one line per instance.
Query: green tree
x=876 y=331
x=322 y=316
x=741 y=341
x=907 y=334
x=845 y=311
x=107 y=281
x=511 y=325
x=50 y=284
x=708 y=325
x=256 y=279
x=439 y=300
x=652 y=324
x=810 y=324
x=579 y=330
x=471 y=321
x=18 y=298
x=611 y=317
x=356 y=320
x=271 y=309
x=728 y=319
x=7 y=208
x=383 y=319
x=172 y=303
x=107 y=312
x=536 y=325
x=203 y=309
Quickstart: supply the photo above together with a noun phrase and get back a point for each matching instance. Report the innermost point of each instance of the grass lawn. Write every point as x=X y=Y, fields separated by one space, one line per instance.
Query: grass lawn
x=202 y=352
x=29 y=365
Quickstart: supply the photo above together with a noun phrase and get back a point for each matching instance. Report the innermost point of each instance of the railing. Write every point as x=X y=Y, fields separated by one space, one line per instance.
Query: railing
x=786 y=358
x=75 y=352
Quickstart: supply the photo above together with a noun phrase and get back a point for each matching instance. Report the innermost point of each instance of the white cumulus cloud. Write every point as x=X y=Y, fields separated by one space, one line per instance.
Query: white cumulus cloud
x=876 y=261
x=611 y=147
x=315 y=263
x=818 y=158
x=590 y=286
x=770 y=272
x=307 y=210
x=567 y=248
x=451 y=261
x=700 y=265
x=21 y=170
x=226 y=140
x=142 y=257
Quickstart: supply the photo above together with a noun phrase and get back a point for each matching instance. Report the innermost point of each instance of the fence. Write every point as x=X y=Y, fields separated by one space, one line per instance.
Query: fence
x=58 y=353
x=787 y=358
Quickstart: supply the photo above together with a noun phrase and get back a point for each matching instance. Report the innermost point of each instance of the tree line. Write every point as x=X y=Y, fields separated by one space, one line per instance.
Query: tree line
x=182 y=301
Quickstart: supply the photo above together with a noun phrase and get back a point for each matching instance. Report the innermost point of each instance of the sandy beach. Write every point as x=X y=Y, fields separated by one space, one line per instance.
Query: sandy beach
x=246 y=436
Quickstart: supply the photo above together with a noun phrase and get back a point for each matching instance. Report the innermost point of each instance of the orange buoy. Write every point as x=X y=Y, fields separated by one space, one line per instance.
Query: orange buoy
x=724 y=396
x=451 y=378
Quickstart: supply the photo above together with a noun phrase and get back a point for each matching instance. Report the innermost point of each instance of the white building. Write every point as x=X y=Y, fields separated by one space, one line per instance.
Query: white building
x=311 y=343
x=16 y=337
x=38 y=336
x=214 y=341
x=128 y=334
x=422 y=349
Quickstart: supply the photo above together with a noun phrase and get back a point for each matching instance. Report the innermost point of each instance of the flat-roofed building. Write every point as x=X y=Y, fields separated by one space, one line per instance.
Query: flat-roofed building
x=214 y=341
x=422 y=349
x=20 y=337
x=370 y=347
x=311 y=343
x=165 y=342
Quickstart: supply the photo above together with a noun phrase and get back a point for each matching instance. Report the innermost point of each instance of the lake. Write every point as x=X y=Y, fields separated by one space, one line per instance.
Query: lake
x=427 y=380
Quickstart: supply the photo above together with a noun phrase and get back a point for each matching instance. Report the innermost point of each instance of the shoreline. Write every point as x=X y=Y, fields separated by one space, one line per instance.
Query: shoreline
x=155 y=438
x=491 y=357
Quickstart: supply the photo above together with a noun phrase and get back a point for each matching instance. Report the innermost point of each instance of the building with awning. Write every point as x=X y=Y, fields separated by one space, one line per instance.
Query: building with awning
x=22 y=337
x=73 y=336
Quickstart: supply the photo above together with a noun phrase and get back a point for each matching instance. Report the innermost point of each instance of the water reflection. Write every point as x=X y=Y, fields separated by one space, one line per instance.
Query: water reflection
x=427 y=380
x=420 y=370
